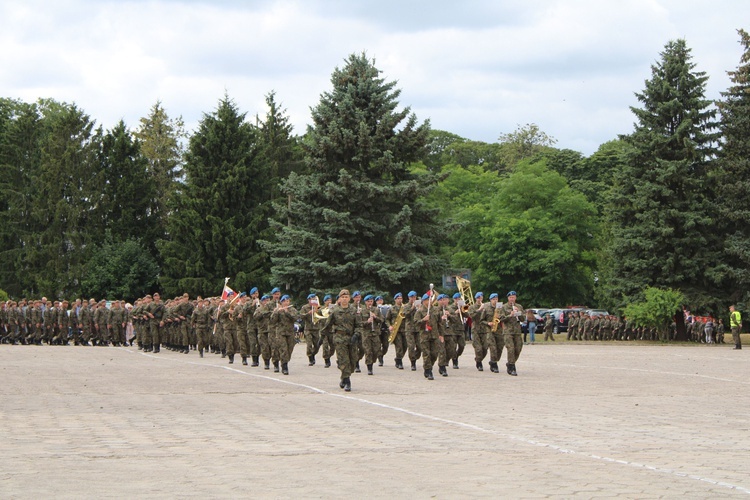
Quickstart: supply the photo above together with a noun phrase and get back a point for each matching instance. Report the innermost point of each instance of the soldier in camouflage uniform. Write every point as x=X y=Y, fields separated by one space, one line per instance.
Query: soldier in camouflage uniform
x=116 y=323
x=494 y=331
x=226 y=319
x=282 y=319
x=341 y=321
x=411 y=330
x=479 y=329
x=399 y=341
x=251 y=326
x=201 y=322
x=454 y=328
x=572 y=326
x=155 y=313
x=262 y=315
x=362 y=316
x=549 y=327
x=371 y=321
x=510 y=317
x=311 y=327
x=427 y=319
x=326 y=336
x=240 y=316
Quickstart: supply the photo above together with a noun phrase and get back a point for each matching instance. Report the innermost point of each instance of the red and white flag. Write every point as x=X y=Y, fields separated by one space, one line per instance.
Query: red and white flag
x=227 y=293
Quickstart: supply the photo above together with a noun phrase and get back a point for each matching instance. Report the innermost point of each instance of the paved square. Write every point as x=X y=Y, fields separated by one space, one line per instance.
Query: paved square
x=596 y=420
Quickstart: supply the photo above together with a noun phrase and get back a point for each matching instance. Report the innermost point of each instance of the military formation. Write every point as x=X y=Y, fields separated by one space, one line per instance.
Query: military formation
x=355 y=327
x=584 y=326
x=265 y=329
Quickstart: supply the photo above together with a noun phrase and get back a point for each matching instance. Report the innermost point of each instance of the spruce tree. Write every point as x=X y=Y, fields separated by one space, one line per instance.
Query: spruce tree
x=661 y=227
x=357 y=217
x=127 y=189
x=733 y=176
x=161 y=142
x=213 y=230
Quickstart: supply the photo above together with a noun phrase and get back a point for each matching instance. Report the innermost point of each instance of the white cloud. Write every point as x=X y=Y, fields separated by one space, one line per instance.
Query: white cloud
x=475 y=68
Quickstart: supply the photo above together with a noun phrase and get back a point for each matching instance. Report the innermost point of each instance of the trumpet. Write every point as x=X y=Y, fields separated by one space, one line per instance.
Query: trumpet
x=320 y=314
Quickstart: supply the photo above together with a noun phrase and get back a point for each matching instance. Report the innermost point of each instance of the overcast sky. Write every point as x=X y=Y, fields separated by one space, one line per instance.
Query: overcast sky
x=475 y=68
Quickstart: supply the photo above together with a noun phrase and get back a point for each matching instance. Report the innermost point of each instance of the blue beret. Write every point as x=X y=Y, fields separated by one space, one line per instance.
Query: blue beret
x=275 y=290
x=253 y=290
x=456 y=295
x=379 y=297
x=368 y=297
x=478 y=294
x=356 y=293
x=327 y=297
x=442 y=296
x=426 y=296
x=511 y=293
x=397 y=296
x=284 y=297
x=312 y=295
x=493 y=296
x=265 y=297
x=412 y=294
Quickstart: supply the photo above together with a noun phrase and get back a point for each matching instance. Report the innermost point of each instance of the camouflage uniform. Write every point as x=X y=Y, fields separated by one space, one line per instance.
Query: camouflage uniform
x=341 y=321
x=480 y=330
x=427 y=319
x=510 y=315
x=399 y=341
x=262 y=315
x=282 y=320
x=312 y=331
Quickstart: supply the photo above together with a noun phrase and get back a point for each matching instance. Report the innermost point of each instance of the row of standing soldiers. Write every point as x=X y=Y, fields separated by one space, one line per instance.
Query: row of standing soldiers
x=582 y=326
x=60 y=322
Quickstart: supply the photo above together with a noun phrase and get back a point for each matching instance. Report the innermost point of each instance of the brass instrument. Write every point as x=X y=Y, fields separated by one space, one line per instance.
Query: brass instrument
x=464 y=288
x=396 y=325
x=321 y=314
x=496 y=320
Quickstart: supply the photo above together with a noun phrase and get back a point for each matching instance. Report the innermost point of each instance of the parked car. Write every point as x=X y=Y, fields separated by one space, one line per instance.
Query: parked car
x=597 y=312
x=560 y=318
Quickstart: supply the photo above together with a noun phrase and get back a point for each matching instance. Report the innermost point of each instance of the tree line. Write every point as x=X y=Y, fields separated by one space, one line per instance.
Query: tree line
x=373 y=198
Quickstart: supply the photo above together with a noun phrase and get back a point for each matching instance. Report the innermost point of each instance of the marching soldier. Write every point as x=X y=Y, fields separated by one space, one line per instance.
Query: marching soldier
x=384 y=330
x=251 y=326
x=262 y=315
x=427 y=319
x=371 y=332
x=399 y=340
x=341 y=321
x=200 y=320
x=510 y=314
x=494 y=333
x=283 y=318
x=460 y=335
x=411 y=330
x=479 y=329
x=308 y=314
x=326 y=336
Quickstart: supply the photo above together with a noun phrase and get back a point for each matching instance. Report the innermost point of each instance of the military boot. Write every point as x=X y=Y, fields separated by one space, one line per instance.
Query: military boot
x=347 y=384
x=200 y=352
x=311 y=360
x=223 y=353
x=399 y=363
x=443 y=370
x=479 y=366
x=357 y=369
x=380 y=360
x=328 y=362
x=244 y=360
x=369 y=369
x=455 y=364
x=413 y=366
x=426 y=373
x=256 y=361
x=231 y=359
x=511 y=369
x=342 y=383
x=266 y=364
x=276 y=367
x=429 y=375
x=285 y=369
x=494 y=368
x=157 y=348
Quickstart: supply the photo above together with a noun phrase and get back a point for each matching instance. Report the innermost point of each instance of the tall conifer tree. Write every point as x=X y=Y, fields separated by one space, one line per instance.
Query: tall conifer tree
x=213 y=230
x=661 y=228
x=357 y=217
x=734 y=176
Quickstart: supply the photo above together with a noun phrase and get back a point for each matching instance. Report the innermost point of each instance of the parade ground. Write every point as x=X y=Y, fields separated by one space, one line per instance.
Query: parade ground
x=580 y=420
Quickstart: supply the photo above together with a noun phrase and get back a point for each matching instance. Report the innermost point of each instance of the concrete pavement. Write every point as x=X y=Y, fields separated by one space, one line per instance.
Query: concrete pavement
x=591 y=421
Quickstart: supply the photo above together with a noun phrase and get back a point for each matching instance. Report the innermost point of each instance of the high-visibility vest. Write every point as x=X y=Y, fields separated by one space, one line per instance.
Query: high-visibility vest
x=735 y=319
